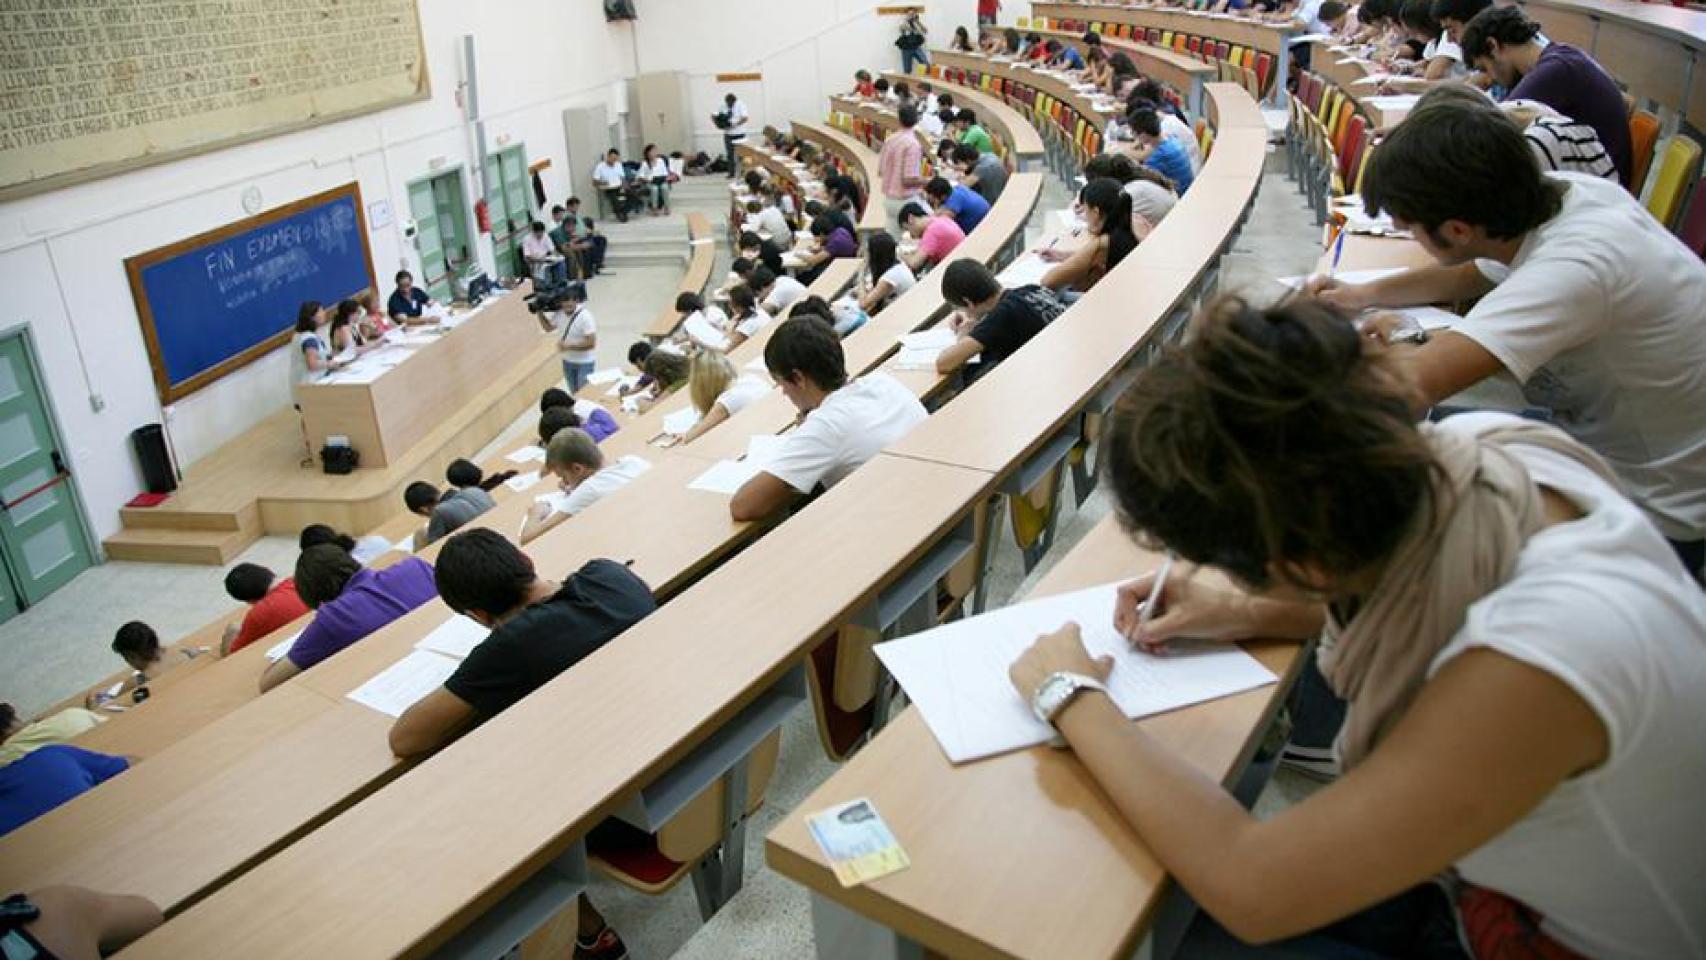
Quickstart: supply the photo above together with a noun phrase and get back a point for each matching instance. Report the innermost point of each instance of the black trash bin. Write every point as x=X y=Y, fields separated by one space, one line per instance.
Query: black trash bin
x=149 y=442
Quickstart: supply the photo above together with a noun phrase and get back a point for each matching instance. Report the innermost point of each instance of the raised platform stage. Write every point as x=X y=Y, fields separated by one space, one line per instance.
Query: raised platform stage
x=255 y=484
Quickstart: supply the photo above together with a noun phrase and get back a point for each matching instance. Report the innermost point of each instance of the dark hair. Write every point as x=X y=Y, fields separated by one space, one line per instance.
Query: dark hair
x=911 y=209
x=248 y=582
x=1013 y=40
x=463 y=473
x=966 y=153
x=687 y=301
x=1331 y=10
x=761 y=278
x=861 y=74
x=966 y=281
x=1091 y=38
x=137 y=639
x=809 y=347
x=822 y=226
x=845 y=187
x=882 y=84
x=639 y=351
x=648 y=150
x=754 y=180
x=1270 y=441
x=420 y=495
x=322 y=572
x=813 y=306
x=750 y=239
x=554 y=419
x=668 y=369
x=1461 y=11
x=1371 y=12
x=572 y=202
x=1147 y=90
x=317 y=533
x=558 y=208
x=966 y=115
x=1145 y=121
x=938 y=188
x=1488 y=178
x=538 y=226
x=8 y=716
x=613 y=150
x=880 y=253
x=403 y=275
x=480 y=570
x=908 y=115
x=1418 y=15
x=306 y=315
x=346 y=312
x=1108 y=197
x=1508 y=25
x=1122 y=65
x=742 y=301
x=555 y=397
x=740 y=267
x=1115 y=166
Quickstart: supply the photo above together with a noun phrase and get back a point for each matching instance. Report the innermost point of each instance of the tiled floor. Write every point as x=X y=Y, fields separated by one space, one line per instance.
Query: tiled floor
x=61 y=645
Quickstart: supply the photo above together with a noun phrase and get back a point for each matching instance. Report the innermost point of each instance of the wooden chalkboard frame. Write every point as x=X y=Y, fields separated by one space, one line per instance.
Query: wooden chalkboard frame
x=133 y=266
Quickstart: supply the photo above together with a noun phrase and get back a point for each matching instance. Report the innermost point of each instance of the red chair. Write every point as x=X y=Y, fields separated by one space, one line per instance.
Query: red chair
x=1264 y=68
x=1194 y=45
x=1692 y=229
x=1356 y=138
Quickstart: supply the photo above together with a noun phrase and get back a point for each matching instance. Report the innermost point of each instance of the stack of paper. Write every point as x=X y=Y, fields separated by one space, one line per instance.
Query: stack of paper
x=456 y=638
x=531 y=454
x=914 y=358
x=957 y=674
x=620 y=384
x=404 y=682
x=678 y=422
x=1024 y=271
x=725 y=477
x=523 y=482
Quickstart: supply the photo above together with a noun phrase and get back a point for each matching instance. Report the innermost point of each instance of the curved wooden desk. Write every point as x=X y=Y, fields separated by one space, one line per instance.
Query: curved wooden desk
x=1656 y=50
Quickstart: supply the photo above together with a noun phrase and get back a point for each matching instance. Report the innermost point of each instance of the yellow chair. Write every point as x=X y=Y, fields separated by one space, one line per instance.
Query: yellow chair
x=1024 y=23
x=1679 y=168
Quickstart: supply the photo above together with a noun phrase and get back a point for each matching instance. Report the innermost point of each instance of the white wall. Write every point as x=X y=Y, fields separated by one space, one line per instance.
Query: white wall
x=62 y=253
x=806 y=50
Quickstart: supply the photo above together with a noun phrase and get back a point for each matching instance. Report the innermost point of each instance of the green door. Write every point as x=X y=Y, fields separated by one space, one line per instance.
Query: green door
x=429 y=243
x=451 y=206
x=507 y=200
x=43 y=542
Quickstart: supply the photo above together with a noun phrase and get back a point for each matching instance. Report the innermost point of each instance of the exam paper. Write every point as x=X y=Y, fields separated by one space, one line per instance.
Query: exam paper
x=1347 y=276
x=456 y=637
x=522 y=482
x=936 y=339
x=277 y=651
x=1430 y=318
x=402 y=683
x=558 y=501
x=1397 y=101
x=1028 y=269
x=584 y=408
x=621 y=384
x=956 y=675
x=678 y=422
x=725 y=477
x=911 y=358
x=607 y=375
x=534 y=454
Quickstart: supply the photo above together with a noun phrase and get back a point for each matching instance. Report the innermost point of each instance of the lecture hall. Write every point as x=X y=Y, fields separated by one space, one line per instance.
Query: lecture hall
x=850 y=480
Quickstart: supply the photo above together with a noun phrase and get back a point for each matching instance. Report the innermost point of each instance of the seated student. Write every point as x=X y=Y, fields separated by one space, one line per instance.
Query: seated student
x=702 y=325
x=374 y=325
x=18 y=738
x=573 y=251
x=846 y=422
x=1441 y=58
x=746 y=317
x=664 y=372
x=880 y=89
x=272 y=604
x=1525 y=662
x=450 y=509
x=1151 y=194
x=584 y=237
x=612 y=179
x=885 y=276
x=344 y=333
x=349 y=602
x=1097 y=71
x=718 y=392
x=844 y=195
x=843 y=316
x=833 y=242
x=962 y=41
x=931 y=123
x=972 y=132
x=1579 y=293
x=758 y=250
x=990 y=320
x=983 y=172
x=48 y=778
x=937 y=237
x=544 y=263
x=582 y=473
x=1123 y=76
x=1148 y=93
x=1108 y=218
x=408 y=301
x=863 y=85
x=598 y=422
x=1158 y=152
x=138 y=646
x=365 y=550
x=776 y=292
x=1558 y=142
x=74 y=923
x=1506 y=44
x=1064 y=56
x=540 y=628
x=767 y=217
x=958 y=202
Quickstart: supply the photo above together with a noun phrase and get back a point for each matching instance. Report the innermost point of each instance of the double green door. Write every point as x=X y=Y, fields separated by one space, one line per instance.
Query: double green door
x=508 y=200
x=440 y=211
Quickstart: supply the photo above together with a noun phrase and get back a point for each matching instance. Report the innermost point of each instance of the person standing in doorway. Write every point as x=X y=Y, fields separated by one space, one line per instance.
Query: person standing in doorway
x=734 y=128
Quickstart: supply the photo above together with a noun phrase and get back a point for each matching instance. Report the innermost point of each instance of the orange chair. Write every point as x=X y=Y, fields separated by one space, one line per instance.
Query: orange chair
x=1643 y=136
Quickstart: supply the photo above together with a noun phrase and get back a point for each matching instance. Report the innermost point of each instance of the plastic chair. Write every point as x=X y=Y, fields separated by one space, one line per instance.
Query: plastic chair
x=1264 y=72
x=1643 y=136
x=1677 y=171
x=1693 y=229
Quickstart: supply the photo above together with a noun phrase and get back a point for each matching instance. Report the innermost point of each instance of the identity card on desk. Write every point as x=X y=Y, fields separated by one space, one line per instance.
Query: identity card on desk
x=957 y=674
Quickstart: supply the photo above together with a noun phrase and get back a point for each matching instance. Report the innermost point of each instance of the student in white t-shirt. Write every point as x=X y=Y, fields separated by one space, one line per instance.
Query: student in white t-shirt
x=574 y=459
x=718 y=392
x=886 y=276
x=611 y=176
x=706 y=327
x=577 y=337
x=1582 y=296
x=846 y=422
x=748 y=318
x=1524 y=659
x=775 y=292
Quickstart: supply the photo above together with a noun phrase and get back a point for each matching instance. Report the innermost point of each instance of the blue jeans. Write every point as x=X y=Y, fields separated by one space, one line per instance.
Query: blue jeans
x=910 y=58
x=576 y=373
x=1419 y=924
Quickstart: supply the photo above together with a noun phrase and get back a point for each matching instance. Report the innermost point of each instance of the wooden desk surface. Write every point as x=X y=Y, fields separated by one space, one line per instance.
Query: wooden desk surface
x=859 y=160
x=1244 y=31
x=1056 y=87
x=1024 y=828
x=1002 y=121
x=1342 y=71
x=578 y=745
x=1176 y=70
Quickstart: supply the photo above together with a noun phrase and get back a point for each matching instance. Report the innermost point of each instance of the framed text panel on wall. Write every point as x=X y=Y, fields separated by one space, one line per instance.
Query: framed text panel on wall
x=220 y=300
x=96 y=88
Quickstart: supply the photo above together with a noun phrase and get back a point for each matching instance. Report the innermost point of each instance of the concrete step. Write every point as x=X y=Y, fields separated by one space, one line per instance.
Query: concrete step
x=206 y=547
x=618 y=258
x=159 y=518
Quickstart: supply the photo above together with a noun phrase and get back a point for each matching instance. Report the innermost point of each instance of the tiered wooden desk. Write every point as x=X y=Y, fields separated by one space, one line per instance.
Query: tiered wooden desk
x=1655 y=50
x=1184 y=73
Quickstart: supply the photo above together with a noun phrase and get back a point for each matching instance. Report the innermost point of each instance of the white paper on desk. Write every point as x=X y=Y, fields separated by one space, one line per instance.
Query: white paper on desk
x=622 y=384
x=277 y=651
x=456 y=638
x=530 y=454
x=1397 y=101
x=705 y=332
x=584 y=408
x=607 y=375
x=678 y=422
x=405 y=545
x=725 y=477
x=1348 y=276
x=557 y=500
x=1373 y=80
x=911 y=358
x=935 y=339
x=523 y=482
x=1312 y=37
x=1024 y=271
x=957 y=674
x=400 y=685
x=1430 y=318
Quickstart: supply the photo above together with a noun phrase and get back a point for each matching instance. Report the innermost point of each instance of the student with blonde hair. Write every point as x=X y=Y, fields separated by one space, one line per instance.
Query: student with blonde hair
x=718 y=391
x=574 y=459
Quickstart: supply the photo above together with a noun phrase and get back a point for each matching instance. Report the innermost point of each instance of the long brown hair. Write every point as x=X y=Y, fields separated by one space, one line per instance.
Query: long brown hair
x=1276 y=443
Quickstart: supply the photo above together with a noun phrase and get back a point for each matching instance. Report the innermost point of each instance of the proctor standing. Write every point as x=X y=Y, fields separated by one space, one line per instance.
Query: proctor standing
x=734 y=127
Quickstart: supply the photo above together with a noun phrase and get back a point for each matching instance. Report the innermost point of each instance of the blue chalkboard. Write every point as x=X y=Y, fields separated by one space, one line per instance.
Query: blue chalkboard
x=221 y=299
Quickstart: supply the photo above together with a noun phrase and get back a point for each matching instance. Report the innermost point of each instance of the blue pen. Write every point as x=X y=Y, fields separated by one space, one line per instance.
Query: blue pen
x=1338 y=249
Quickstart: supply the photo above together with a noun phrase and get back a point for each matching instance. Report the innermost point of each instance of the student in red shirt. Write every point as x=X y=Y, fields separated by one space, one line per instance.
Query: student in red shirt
x=272 y=604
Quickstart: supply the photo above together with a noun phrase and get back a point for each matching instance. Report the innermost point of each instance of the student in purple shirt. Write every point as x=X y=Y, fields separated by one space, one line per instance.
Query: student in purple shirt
x=1508 y=46
x=834 y=242
x=349 y=602
x=598 y=424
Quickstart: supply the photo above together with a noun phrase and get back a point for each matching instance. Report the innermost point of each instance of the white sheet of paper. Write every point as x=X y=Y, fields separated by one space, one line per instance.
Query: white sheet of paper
x=1067 y=221
x=1373 y=80
x=705 y=332
x=1397 y=101
x=1431 y=318
x=405 y=545
x=277 y=651
x=935 y=339
x=678 y=422
x=1348 y=276
x=762 y=448
x=400 y=685
x=456 y=637
x=523 y=482
x=910 y=358
x=957 y=674
x=558 y=500
x=585 y=407
x=725 y=477
x=621 y=383
x=1028 y=269
x=607 y=375
x=533 y=454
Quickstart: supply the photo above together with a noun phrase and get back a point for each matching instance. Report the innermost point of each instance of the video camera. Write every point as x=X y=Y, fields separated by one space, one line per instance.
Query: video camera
x=548 y=297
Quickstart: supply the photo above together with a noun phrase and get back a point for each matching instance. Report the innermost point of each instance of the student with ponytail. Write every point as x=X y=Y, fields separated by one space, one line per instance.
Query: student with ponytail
x=1107 y=214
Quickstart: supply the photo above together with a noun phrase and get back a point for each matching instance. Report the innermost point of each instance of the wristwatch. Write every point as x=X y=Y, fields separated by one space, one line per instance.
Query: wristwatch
x=1055 y=692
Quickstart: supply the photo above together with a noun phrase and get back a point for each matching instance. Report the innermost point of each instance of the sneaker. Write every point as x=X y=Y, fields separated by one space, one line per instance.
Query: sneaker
x=606 y=946
x=1316 y=763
